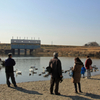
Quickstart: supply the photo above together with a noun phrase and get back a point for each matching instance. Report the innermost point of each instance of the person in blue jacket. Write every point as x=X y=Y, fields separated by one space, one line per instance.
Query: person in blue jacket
x=83 y=70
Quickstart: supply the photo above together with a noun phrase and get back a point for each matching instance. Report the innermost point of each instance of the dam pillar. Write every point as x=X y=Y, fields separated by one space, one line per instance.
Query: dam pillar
x=13 y=51
x=31 y=51
x=25 y=52
x=18 y=51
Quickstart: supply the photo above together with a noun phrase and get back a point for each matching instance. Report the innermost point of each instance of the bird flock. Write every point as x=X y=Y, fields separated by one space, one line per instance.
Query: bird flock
x=33 y=69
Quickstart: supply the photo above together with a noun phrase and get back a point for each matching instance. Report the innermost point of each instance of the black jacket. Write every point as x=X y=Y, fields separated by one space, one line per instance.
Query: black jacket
x=55 y=64
x=9 y=63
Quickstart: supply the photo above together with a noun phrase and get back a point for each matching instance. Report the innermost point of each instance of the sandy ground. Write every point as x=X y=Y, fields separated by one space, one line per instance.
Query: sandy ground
x=40 y=90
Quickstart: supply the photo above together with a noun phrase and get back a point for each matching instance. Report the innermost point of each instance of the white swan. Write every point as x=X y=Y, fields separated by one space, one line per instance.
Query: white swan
x=18 y=72
x=43 y=70
x=31 y=70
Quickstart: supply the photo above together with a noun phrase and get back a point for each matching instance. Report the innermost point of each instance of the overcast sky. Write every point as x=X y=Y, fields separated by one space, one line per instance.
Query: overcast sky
x=61 y=22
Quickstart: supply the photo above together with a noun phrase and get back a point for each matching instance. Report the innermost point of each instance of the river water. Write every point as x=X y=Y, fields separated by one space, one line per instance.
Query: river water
x=23 y=64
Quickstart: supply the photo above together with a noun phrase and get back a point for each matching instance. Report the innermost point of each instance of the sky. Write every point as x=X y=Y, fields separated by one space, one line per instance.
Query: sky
x=57 y=22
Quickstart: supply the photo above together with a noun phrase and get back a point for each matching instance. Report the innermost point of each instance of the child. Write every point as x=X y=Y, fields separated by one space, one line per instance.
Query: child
x=83 y=70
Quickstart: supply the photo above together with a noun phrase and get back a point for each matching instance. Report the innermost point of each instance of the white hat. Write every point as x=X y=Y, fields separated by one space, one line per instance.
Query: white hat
x=55 y=54
x=9 y=54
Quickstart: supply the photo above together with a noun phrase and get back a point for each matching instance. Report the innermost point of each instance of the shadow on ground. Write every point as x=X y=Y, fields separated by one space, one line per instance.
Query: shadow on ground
x=75 y=97
x=27 y=91
x=79 y=97
x=94 y=96
x=95 y=79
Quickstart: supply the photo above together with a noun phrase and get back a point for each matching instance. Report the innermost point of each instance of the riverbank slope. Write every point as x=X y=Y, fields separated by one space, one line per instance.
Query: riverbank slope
x=40 y=90
x=63 y=50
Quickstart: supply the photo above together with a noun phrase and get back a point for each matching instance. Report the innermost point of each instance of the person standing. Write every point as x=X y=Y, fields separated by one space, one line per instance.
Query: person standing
x=83 y=70
x=88 y=63
x=56 y=73
x=77 y=74
x=9 y=63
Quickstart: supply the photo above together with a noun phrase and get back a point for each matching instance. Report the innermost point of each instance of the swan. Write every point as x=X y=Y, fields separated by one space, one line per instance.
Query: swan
x=95 y=68
x=91 y=70
x=43 y=70
x=29 y=74
x=34 y=72
x=31 y=70
x=18 y=72
x=46 y=75
x=32 y=67
x=36 y=68
x=39 y=74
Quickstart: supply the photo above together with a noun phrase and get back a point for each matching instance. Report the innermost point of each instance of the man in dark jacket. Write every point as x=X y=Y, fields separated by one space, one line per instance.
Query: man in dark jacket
x=88 y=63
x=9 y=63
x=56 y=73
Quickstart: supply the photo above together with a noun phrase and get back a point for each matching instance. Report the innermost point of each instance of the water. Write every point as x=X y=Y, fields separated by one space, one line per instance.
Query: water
x=24 y=63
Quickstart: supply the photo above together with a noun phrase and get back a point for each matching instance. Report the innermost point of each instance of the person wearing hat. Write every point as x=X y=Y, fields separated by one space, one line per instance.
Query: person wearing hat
x=56 y=73
x=9 y=63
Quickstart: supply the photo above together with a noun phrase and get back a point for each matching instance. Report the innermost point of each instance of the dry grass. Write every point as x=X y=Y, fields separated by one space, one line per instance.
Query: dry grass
x=70 y=50
x=47 y=50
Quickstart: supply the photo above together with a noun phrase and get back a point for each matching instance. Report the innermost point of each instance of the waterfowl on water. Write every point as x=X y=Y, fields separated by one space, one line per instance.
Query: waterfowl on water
x=40 y=74
x=32 y=67
x=46 y=75
x=34 y=72
x=31 y=70
x=36 y=68
x=18 y=72
x=29 y=74
x=43 y=70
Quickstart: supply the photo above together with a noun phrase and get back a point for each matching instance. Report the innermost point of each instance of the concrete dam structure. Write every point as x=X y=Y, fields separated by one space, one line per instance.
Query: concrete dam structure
x=23 y=44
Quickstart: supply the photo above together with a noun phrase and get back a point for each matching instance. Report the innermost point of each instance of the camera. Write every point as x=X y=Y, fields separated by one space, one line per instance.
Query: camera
x=61 y=79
